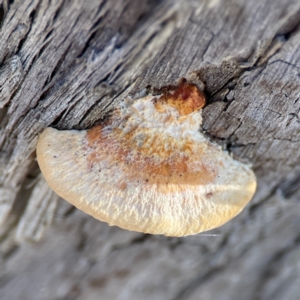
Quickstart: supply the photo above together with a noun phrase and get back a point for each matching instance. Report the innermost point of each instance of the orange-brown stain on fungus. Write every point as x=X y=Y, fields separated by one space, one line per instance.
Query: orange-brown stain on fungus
x=155 y=169
x=186 y=98
x=148 y=167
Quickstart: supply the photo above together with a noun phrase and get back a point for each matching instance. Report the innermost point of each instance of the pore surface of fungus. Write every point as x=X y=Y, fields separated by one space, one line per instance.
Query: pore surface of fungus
x=148 y=168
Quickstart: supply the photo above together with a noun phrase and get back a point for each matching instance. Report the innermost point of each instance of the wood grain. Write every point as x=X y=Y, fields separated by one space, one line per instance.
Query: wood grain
x=67 y=63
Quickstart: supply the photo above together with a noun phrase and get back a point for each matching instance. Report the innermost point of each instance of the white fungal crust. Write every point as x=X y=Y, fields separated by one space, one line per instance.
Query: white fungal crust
x=148 y=168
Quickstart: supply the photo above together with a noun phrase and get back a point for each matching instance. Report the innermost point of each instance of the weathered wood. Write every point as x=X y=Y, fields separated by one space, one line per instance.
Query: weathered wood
x=67 y=63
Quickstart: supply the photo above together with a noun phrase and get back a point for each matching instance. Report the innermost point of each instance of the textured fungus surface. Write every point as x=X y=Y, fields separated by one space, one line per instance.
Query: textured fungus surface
x=148 y=168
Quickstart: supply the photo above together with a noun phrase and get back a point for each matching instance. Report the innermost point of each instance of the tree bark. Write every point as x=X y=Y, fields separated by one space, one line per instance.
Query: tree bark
x=66 y=64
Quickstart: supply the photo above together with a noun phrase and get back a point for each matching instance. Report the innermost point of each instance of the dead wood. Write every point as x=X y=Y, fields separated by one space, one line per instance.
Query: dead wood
x=67 y=63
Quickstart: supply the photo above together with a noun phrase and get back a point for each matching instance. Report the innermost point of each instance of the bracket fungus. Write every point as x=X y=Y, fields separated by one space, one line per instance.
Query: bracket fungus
x=148 y=167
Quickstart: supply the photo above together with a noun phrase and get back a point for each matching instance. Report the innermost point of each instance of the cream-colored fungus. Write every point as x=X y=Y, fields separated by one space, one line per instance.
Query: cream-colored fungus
x=148 y=168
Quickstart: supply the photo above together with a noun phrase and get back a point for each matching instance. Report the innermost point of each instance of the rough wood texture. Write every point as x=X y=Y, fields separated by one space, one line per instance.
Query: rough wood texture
x=67 y=63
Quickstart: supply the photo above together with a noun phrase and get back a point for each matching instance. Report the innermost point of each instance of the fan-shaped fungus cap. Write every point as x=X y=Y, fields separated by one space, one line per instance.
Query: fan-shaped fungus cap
x=148 y=168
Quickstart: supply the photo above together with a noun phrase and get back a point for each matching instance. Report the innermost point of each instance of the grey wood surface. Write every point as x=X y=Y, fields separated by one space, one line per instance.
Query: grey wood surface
x=67 y=63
